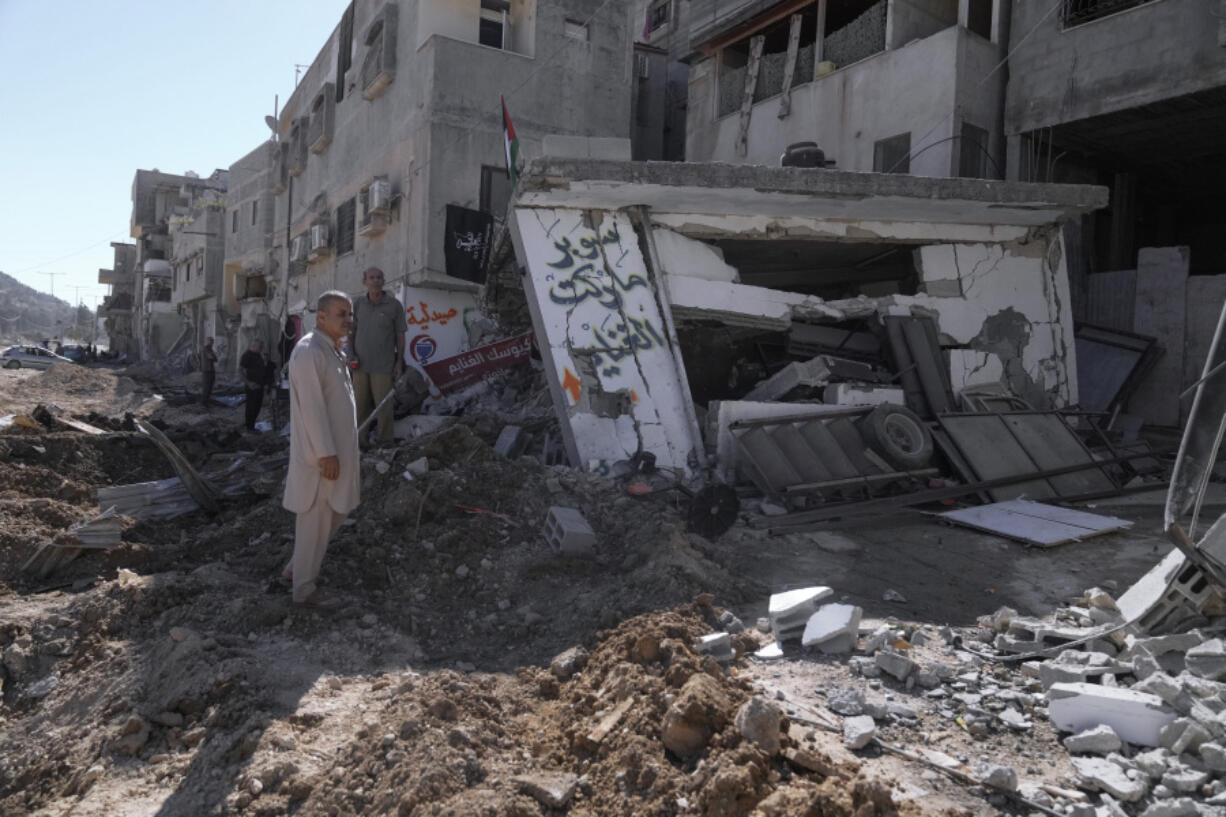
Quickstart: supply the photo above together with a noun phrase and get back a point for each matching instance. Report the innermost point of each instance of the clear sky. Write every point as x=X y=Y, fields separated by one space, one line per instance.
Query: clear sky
x=96 y=89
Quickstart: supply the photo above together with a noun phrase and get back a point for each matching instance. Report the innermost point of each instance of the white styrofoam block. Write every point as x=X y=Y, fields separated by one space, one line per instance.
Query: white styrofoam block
x=1137 y=717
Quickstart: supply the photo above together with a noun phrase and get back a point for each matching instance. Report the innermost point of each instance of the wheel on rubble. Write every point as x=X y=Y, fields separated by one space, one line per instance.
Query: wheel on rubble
x=898 y=435
x=13 y=364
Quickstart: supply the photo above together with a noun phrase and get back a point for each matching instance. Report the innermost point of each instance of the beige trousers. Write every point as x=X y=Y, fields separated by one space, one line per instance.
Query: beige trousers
x=368 y=389
x=313 y=530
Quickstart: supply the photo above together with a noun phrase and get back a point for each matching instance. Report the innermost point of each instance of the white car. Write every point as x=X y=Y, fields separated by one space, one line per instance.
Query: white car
x=30 y=357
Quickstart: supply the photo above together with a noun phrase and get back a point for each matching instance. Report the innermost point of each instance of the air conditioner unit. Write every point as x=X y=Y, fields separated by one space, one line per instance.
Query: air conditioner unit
x=380 y=196
x=298 y=249
x=319 y=239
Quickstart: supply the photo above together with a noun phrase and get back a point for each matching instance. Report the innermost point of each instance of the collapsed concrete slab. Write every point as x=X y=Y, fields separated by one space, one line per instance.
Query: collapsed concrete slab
x=790 y=611
x=1136 y=717
x=622 y=256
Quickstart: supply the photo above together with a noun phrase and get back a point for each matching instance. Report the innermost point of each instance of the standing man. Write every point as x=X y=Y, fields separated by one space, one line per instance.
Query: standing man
x=255 y=379
x=376 y=349
x=208 y=371
x=321 y=486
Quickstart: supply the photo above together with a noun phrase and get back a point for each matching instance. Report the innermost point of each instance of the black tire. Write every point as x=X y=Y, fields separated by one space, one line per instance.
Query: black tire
x=898 y=435
x=13 y=364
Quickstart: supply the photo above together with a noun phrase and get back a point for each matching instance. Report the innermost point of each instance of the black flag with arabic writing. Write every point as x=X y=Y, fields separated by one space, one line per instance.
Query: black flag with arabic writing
x=467 y=243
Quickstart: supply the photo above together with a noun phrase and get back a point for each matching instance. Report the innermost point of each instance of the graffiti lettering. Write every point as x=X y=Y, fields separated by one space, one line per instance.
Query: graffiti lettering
x=617 y=342
x=584 y=283
x=588 y=249
x=470 y=242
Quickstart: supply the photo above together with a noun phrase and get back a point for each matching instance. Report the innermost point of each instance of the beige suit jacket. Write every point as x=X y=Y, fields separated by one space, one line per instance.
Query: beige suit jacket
x=323 y=423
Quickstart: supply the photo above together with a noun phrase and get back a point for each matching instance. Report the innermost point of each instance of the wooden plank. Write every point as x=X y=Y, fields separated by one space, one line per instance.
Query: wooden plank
x=789 y=69
x=992 y=452
x=1035 y=523
x=751 y=85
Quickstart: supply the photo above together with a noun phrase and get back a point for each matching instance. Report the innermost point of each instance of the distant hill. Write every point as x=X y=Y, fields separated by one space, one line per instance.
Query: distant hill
x=29 y=315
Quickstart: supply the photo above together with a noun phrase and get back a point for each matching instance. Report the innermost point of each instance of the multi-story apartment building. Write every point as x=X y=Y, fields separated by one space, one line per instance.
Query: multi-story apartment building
x=197 y=253
x=1130 y=94
x=399 y=118
x=660 y=80
x=156 y=321
x=116 y=308
x=897 y=86
x=248 y=291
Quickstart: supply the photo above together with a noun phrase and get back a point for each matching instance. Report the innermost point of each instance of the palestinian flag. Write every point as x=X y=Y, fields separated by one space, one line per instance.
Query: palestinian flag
x=510 y=142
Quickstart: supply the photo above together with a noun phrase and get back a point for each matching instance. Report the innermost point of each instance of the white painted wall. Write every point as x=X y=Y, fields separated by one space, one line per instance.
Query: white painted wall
x=603 y=338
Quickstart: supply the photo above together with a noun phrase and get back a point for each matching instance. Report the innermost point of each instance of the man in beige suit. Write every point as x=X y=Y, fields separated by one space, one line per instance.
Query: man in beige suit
x=322 y=484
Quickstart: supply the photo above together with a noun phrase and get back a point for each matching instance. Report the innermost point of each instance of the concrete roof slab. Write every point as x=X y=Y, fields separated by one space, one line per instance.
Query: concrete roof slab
x=723 y=189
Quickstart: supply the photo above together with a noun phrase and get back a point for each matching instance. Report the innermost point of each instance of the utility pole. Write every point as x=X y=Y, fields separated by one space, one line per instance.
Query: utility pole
x=52 y=275
x=76 y=312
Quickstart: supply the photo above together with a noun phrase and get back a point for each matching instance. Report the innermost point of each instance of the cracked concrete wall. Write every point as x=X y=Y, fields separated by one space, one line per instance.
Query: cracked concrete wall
x=1007 y=306
x=610 y=354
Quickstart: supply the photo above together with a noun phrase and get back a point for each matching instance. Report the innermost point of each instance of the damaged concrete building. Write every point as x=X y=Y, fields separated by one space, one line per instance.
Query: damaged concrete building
x=197 y=245
x=248 y=283
x=391 y=147
x=157 y=200
x=661 y=292
x=116 y=308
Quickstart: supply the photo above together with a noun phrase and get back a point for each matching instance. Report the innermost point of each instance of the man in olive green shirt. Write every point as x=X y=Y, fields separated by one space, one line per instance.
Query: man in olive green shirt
x=376 y=346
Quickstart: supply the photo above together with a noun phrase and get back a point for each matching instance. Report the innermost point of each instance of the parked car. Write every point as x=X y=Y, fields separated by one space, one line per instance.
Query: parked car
x=30 y=357
x=77 y=354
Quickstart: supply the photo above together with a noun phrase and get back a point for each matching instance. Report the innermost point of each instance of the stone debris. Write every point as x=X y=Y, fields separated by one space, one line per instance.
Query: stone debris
x=833 y=628
x=1100 y=740
x=758 y=721
x=716 y=645
x=1137 y=717
x=1101 y=774
x=550 y=789
x=790 y=611
x=858 y=731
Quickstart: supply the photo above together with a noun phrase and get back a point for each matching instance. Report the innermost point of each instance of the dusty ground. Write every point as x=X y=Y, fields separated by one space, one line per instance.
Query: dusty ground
x=172 y=676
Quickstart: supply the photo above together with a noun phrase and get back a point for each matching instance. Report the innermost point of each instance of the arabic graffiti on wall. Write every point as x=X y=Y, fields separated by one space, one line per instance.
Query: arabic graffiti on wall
x=437 y=319
x=423 y=318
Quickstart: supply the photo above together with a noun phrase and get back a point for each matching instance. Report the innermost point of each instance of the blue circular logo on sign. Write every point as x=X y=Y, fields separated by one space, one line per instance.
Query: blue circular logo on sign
x=422 y=348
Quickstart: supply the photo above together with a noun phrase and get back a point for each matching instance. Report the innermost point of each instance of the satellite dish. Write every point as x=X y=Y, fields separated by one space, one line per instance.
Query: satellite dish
x=271 y=122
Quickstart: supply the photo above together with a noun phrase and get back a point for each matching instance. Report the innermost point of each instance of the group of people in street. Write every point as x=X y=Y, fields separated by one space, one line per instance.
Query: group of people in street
x=339 y=373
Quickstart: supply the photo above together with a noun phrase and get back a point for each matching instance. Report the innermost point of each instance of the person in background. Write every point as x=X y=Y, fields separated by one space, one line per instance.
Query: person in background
x=376 y=350
x=255 y=380
x=208 y=371
x=321 y=484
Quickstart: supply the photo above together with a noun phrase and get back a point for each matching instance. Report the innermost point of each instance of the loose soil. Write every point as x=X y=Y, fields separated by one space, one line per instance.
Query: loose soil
x=172 y=675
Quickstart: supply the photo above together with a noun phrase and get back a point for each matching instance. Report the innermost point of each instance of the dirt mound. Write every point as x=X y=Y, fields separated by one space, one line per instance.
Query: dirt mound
x=77 y=380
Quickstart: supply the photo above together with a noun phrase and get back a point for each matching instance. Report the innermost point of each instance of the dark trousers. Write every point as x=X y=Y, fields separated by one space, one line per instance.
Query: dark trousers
x=206 y=386
x=254 y=402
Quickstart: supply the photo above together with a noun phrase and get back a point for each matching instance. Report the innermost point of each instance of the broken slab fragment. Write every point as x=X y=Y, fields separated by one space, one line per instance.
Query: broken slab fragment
x=551 y=789
x=895 y=664
x=717 y=645
x=1207 y=660
x=790 y=611
x=808 y=373
x=1101 y=740
x=833 y=628
x=758 y=721
x=1137 y=717
x=1100 y=774
x=858 y=731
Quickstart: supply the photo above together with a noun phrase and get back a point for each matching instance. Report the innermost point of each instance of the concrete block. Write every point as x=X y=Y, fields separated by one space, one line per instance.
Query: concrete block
x=1168 y=595
x=1185 y=780
x=895 y=664
x=858 y=731
x=717 y=645
x=1174 y=807
x=830 y=621
x=1103 y=775
x=1182 y=735
x=1101 y=740
x=1214 y=756
x=1137 y=717
x=568 y=532
x=510 y=442
x=858 y=394
x=1154 y=762
x=1207 y=660
x=808 y=373
x=790 y=611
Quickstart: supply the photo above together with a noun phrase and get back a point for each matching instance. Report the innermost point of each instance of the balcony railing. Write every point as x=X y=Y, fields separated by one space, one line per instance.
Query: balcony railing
x=1076 y=12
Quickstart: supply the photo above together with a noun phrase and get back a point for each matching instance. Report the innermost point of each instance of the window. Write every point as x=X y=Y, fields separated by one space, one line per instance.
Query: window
x=658 y=14
x=493 y=23
x=1076 y=12
x=575 y=30
x=234 y=221
x=255 y=205
x=344 y=53
x=379 y=64
x=893 y=155
x=495 y=190
x=979 y=18
x=973 y=152
x=187 y=272
x=345 y=227
x=200 y=262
